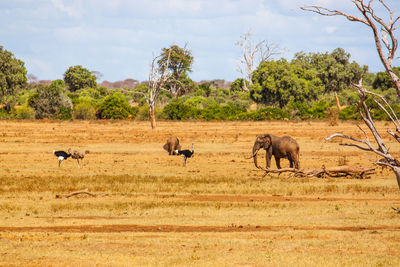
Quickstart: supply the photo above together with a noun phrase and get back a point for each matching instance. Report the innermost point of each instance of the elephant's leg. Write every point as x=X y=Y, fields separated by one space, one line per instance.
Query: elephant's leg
x=297 y=163
x=268 y=156
x=278 y=162
x=294 y=160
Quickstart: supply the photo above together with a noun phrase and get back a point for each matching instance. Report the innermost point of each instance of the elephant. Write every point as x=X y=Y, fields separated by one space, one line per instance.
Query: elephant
x=280 y=147
x=172 y=145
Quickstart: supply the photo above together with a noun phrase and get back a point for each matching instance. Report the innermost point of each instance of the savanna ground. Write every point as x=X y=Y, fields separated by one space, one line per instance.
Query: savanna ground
x=219 y=210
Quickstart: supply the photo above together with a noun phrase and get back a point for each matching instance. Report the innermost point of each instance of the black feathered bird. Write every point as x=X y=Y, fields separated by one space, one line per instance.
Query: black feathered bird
x=186 y=154
x=61 y=155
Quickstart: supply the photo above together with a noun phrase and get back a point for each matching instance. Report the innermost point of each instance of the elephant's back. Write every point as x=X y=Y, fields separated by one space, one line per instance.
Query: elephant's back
x=286 y=144
x=173 y=140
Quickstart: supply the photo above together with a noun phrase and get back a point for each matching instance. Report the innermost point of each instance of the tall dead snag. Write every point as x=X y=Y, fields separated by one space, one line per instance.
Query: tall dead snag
x=386 y=46
x=157 y=79
x=253 y=55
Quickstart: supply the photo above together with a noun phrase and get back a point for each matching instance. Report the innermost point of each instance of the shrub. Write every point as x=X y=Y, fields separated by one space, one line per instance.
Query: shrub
x=49 y=101
x=269 y=113
x=333 y=116
x=84 y=111
x=319 y=109
x=199 y=102
x=304 y=110
x=349 y=113
x=218 y=112
x=179 y=111
x=115 y=106
x=25 y=113
x=143 y=113
x=4 y=114
x=65 y=113
x=238 y=84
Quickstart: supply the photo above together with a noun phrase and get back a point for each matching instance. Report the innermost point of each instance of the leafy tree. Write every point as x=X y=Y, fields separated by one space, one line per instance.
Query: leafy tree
x=383 y=81
x=204 y=89
x=180 y=62
x=12 y=77
x=50 y=101
x=77 y=77
x=334 y=69
x=115 y=106
x=278 y=82
x=238 y=84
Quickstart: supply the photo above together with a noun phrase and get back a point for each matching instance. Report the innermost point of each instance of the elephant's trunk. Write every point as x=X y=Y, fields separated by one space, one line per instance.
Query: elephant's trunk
x=255 y=151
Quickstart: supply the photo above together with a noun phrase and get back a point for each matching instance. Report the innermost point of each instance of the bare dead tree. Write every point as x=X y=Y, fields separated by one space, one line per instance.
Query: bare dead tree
x=254 y=54
x=158 y=76
x=386 y=46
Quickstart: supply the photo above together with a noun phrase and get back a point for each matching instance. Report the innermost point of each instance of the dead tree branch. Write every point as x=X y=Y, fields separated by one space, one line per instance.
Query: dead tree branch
x=333 y=172
x=381 y=30
x=157 y=79
x=84 y=191
x=253 y=55
x=386 y=46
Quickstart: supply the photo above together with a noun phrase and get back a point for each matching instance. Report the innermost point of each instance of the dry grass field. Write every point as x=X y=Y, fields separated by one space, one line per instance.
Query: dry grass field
x=219 y=210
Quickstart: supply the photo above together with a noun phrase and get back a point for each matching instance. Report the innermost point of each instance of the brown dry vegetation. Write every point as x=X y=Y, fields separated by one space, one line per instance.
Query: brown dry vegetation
x=216 y=211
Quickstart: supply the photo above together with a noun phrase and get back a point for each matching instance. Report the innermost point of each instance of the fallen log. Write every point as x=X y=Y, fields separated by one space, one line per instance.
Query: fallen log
x=84 y=191
x=339 y=171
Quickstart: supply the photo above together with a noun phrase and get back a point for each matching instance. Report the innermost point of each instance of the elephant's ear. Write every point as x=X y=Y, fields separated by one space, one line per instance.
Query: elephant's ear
x=267 y=136
x=267 y=140
x=166 y=146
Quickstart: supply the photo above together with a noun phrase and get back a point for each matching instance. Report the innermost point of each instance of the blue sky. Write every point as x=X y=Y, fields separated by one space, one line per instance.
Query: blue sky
x=119 y=37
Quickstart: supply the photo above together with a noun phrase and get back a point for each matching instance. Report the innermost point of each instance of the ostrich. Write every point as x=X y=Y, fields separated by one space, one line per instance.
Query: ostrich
x=186 y=154
x=61 y=155
x=78 y=155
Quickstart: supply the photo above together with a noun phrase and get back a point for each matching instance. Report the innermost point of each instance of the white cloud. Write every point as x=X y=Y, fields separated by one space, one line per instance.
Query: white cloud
x=329 y=29
x=74 y=10
x=118 y=37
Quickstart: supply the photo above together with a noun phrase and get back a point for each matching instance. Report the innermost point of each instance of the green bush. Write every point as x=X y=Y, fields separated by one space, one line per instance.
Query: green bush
x=143 y=113
x=65 y=113
x=50 y=101
x=268 y=113
x=115 y=106
x=349 y=113
x=238 y=84
x=304 y=110
x=218 y=112
x=4 y=114
x=25 y=113
x=84 y=111
x=179 y=111
x=199 y=102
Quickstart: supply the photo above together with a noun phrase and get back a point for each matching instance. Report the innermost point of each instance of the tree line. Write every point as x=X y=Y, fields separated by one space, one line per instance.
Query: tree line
x=309 y=86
